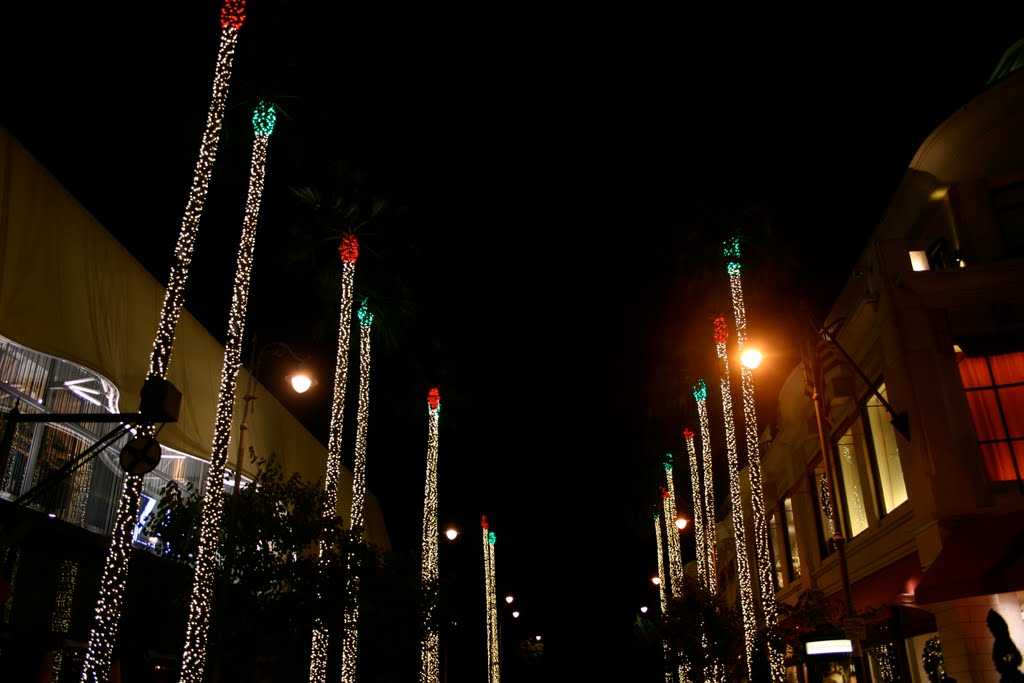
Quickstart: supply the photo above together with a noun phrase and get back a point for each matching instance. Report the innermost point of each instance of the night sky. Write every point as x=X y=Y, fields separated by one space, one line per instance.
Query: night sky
x=558 y=186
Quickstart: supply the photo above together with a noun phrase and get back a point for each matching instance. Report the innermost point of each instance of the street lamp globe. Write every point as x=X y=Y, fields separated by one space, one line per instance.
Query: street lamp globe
x=681 y=523
x=509 y=599
x=656 y=580
x=301 y=382
x=515 y=614
x=751 y=358
x=451 y=533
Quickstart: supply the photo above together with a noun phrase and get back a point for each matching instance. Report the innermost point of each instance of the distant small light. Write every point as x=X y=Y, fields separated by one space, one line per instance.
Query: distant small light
x=656 y=580
x=452 y=534
x=538 y=639
x=682 y=522
x=52 y=516
x=515 y=614
x=751 y=358
x=643 y=609
x=509 y=599
x=938 y=193
x=301 y=383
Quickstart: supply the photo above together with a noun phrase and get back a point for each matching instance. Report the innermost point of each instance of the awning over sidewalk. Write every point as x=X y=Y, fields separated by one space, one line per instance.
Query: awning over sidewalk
x=982 y=557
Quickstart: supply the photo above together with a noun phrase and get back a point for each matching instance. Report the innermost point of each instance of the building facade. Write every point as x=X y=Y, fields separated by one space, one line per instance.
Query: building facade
x=929 y=329
x=77 y=318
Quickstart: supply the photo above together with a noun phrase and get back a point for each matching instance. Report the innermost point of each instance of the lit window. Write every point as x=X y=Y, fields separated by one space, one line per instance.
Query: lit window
x=994 y=387
x=889 y=470
x=919 y=260
x=850 y=452
x=783 y=536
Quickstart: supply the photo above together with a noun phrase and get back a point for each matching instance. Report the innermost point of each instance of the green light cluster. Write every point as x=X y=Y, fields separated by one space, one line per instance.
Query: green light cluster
x=490 y=537
x=263 y=118
x=700 y=391
x=732 y=248
x=365 y=316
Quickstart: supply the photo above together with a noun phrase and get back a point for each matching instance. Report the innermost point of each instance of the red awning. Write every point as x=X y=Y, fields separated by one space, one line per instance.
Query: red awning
x=981 y=557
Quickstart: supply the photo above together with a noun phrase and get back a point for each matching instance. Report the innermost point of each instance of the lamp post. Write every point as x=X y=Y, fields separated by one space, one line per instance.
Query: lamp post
x=301 y=382
x=837 y=517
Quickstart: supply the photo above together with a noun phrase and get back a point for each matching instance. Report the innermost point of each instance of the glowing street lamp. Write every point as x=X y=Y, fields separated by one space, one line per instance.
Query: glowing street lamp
x=300 y=381
x=451 y=533
x=751 y=358
x=515 y=614
x=509 y=599
x=656 y=580
x=682 y=522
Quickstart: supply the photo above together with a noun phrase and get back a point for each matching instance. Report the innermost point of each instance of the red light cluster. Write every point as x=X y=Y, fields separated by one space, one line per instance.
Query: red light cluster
x=232 y=14
x=349 y=249
x=433 y=398
x=721 y=330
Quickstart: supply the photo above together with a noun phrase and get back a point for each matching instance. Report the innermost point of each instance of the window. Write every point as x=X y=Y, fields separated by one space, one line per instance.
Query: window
x=823 y=503
x=850 y=453
x=869 y=474
x=792 y=552
x=775 y=542
x=994 y=386
x=888 y=469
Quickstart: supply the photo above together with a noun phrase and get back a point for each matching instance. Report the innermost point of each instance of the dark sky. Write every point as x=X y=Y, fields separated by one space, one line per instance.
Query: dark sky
x=560 y=183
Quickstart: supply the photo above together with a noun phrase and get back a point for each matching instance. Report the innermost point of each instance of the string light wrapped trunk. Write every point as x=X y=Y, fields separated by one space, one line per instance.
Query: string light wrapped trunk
x=429 y=659
x=762 y=552
x=107 y=615
x=675 y=553
x=662 y=592
x=193 y=663
x=721 y=335
x=698 y=507
x=491 y=605
x=710 y=558
x=348 y=254
x=350 y=618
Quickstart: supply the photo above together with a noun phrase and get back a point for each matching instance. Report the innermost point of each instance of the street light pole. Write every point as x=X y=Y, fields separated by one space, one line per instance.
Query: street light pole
x=838 y=519
x=250 y=395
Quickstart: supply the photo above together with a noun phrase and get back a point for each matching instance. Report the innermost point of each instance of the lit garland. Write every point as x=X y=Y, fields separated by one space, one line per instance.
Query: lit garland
x=739 y=532
x=699 y=533
x=11 y=584
x=348 y=252
x=662 y=594
x=363 y=409
x=61 y=620
x=675 y=553
x=193 y=663
x=97 y=660
x=700 y=394
x=698 y=507
x=762 y=552
x=429 y=661
x=350 y=618
x=490 y=605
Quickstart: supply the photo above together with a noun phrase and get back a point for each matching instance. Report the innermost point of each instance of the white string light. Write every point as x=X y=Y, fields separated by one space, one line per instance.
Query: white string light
x=193 y=662
x=675 y=554
x=700 y=395
x=107 y=616
x=429 y=660
x=739 y=532
x=348 y=252
x=762 y=551
x=698 y=508
x=490 y=605
x=64 y=599
x=662 y=593
x=350 y=618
